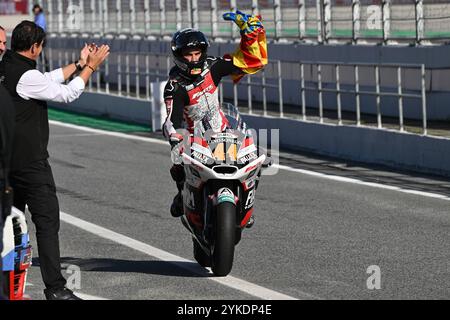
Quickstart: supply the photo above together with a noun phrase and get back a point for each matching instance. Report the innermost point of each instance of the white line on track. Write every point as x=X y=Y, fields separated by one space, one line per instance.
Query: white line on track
x=76 y=135
x=108 y=133
x=88 y=296
x=287 y=168
x=229 y=281
x=364 y=183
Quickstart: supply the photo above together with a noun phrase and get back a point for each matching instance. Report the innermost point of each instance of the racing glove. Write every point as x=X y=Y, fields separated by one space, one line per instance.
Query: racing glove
x=246 y=23
x=176 y=147
x=175 y=139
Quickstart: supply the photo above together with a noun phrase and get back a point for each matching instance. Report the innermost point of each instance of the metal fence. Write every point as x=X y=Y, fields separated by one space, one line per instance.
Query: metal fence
x=356 y=91
x=322 y=21
x=320 y=90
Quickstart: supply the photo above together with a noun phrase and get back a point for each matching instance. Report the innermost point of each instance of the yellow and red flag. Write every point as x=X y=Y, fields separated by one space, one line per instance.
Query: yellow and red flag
x=251 y=55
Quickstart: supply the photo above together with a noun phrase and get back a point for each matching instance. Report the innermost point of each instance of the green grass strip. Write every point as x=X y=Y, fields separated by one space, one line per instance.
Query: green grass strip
x=96 y=122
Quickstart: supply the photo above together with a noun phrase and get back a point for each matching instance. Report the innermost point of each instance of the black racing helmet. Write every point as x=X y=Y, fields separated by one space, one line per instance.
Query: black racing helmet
x=189 y=39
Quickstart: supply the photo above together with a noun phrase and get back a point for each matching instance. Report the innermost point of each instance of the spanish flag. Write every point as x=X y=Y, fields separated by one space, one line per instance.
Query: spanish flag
x=251 y=55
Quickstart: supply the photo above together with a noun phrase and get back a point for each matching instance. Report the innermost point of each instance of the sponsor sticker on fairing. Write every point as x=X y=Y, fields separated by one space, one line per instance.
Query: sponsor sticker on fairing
x=250 y=199
x=199 y=156
x=225 y=195
x=247 y=150
x=248 y=158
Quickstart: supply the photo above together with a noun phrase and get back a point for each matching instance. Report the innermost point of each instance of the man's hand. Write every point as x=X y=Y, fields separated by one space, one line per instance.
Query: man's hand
x=84 y=55
x=97 y=56
x=247 y=23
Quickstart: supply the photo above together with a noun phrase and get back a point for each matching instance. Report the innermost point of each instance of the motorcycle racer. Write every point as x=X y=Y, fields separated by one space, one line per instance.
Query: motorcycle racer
x=191 y=93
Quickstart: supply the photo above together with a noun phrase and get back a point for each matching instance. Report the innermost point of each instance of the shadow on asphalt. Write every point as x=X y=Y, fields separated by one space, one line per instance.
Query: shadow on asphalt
x=163 y=268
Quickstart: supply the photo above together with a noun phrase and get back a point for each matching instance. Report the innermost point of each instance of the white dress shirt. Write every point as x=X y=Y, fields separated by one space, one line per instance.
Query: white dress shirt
x=48 y=86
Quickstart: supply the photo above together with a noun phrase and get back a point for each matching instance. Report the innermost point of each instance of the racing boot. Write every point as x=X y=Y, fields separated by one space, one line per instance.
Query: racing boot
x=176 y=209
x=250 y=222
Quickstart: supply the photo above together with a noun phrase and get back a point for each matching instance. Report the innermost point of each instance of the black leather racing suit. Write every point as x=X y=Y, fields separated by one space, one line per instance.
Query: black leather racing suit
x=189 y=100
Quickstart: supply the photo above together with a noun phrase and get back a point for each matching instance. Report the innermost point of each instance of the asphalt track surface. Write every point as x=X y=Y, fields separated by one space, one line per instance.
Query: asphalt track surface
x=319 y=225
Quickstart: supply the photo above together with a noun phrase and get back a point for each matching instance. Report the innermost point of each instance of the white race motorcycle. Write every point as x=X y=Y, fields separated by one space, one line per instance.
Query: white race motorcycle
x=222 y=171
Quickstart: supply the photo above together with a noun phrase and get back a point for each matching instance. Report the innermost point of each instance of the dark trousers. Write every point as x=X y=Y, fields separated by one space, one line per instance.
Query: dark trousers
x=2 y=293
x=4 y=210
x=34 y=186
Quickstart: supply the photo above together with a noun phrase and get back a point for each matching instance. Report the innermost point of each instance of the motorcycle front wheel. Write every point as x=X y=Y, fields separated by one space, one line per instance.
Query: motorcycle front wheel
x=224 y=239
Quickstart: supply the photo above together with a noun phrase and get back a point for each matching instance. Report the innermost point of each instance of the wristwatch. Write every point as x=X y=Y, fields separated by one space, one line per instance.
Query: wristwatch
x=78 y=65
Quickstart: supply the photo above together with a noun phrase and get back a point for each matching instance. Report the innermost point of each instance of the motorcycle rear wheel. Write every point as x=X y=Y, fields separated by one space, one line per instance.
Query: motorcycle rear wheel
x=224 y=239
